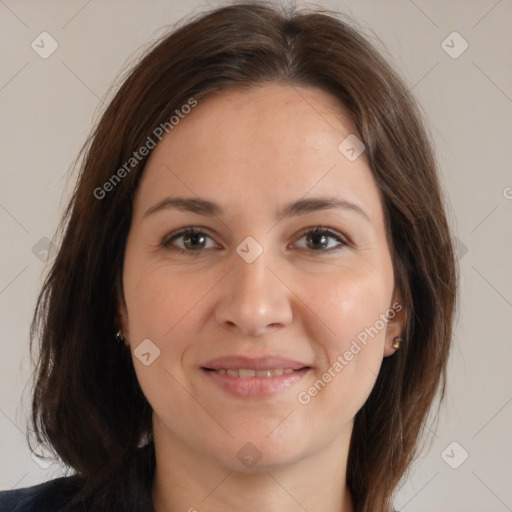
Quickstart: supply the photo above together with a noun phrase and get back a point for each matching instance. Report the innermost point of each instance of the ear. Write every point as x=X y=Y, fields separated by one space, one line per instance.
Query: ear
x=396 y=322
x=122 y=319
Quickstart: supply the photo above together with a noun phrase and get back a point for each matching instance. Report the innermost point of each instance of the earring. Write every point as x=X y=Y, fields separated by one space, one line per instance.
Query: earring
x=396 y=342
x=119 y=337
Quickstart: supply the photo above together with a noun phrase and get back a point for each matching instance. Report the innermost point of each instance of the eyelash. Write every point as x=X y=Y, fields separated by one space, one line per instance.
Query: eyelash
x=318 y=230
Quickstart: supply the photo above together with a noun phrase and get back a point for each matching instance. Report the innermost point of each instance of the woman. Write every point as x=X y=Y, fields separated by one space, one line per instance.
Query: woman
x=252 y=303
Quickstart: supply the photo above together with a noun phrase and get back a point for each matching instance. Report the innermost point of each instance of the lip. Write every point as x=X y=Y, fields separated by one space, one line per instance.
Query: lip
x=252 y=363
x=254 y=387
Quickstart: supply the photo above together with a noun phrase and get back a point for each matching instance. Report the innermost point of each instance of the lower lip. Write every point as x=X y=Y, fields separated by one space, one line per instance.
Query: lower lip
x=255 y=387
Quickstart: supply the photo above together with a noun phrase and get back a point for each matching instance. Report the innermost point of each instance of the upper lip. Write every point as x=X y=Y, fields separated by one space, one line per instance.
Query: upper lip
x=252 y=363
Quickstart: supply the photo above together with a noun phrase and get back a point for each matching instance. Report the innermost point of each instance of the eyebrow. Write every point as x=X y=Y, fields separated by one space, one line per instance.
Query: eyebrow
x=293 y=209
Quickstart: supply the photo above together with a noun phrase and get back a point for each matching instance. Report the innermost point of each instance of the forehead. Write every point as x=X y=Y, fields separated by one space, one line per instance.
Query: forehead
x=269 y=116
x=268 y=143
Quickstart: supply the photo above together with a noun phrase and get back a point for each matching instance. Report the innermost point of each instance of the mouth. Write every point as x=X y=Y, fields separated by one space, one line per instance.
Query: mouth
x=251 y=384
x=254 y=378
x=247 y=373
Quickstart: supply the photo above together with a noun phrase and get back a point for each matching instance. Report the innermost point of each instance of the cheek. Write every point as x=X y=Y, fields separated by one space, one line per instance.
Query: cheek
x=348 y=302
x=166 y=304
x=159 y=298
x=351 y=307
x=163 y=306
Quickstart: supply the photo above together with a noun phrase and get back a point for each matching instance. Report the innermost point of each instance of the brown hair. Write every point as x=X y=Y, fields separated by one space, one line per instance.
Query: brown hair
x=87 y=403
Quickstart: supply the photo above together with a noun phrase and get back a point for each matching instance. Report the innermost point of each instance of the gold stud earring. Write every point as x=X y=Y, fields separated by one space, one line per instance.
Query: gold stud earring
x=396 y=342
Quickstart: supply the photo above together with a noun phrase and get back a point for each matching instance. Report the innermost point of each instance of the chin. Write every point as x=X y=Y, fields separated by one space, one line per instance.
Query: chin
x=255 y=451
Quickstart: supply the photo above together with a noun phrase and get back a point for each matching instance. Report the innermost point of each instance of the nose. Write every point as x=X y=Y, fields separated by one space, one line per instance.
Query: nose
x=254 y=300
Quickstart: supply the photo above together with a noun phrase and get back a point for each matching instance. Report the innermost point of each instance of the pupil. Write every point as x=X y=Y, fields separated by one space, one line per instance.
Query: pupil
x=193 y=240
x=318 y=238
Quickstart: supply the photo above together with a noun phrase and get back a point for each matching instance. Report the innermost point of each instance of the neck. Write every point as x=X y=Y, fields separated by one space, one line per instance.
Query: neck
x=186 y=480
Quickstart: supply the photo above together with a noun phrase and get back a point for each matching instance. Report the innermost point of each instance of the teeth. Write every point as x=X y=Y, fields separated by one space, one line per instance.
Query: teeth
x=245 y=373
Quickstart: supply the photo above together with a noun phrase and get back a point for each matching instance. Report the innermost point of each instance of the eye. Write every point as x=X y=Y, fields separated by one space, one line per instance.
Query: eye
x=188 y=240
x=192 y=240
x=317 y=240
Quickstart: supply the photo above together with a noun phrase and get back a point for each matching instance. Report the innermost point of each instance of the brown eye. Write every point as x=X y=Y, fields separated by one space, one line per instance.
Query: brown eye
x=188 y=240
x=316 y=241
x=320 y=240
x=194 y=241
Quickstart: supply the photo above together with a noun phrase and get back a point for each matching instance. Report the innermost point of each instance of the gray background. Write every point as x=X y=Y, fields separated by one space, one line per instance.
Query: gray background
x=49 y=105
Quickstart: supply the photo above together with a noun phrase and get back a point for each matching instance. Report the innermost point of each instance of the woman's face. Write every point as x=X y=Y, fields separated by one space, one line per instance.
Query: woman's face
x=253 y=289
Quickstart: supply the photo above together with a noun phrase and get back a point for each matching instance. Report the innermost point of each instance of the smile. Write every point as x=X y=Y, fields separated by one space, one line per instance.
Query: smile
x=254 y=384
x=245 y=373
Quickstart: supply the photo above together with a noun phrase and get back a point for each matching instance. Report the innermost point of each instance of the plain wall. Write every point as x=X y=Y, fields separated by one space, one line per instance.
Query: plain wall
x=49 y=105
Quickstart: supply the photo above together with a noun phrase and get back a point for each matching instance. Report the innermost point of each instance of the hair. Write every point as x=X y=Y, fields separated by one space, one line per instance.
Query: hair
x=87 y=404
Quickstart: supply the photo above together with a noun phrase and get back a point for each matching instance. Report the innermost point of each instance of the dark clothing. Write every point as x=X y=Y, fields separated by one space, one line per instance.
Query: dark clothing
x=47 y=497
x=130 y=491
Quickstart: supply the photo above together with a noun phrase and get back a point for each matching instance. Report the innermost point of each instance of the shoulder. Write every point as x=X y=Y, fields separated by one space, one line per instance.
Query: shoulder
x=50 y=496
x=130 y=490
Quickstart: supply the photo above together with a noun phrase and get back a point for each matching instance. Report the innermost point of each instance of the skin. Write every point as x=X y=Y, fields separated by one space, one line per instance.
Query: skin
x=252 y=152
